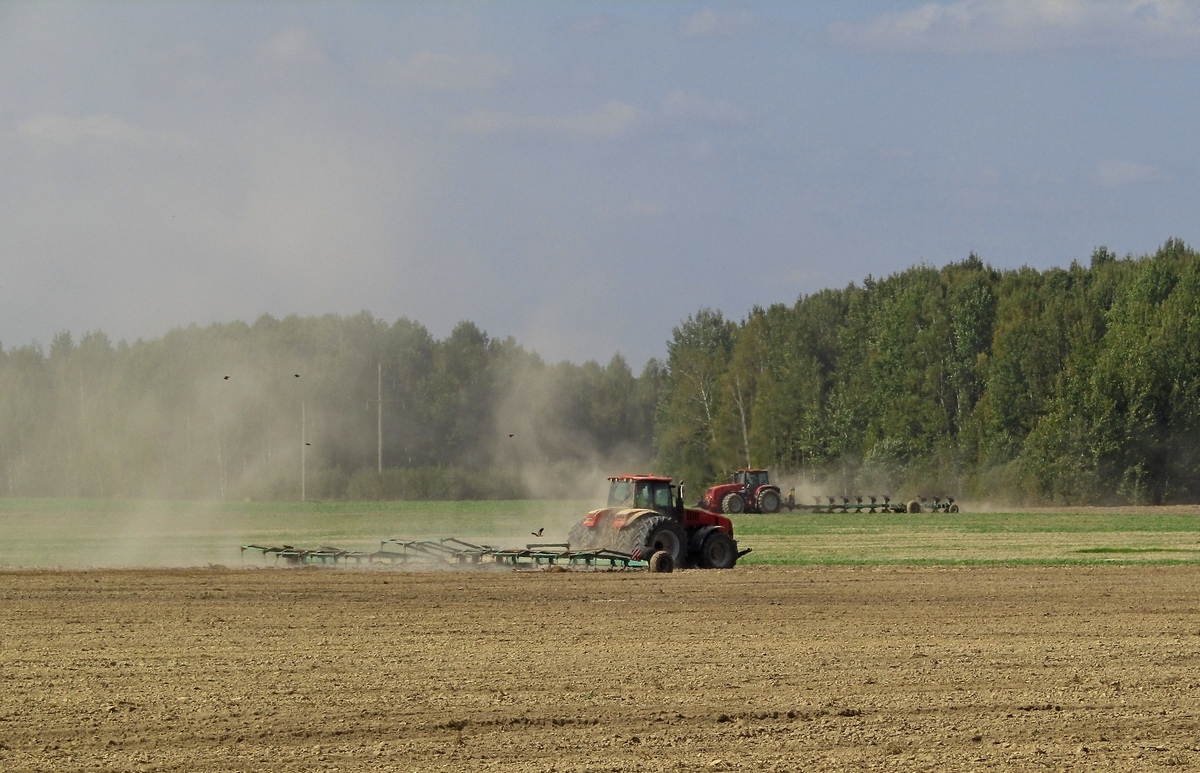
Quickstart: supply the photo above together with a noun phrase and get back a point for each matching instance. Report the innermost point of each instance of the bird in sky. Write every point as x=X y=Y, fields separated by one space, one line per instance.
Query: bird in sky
x=537 y=533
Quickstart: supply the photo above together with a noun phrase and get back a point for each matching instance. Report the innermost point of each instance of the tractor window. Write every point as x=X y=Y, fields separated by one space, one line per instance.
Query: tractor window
x=662 y=498
x=758 y=478
x=643 y=495
x=620 y=494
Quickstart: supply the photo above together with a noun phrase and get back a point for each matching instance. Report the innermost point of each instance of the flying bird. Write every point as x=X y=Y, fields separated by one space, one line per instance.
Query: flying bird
x=227 y=378
x=537 y=533
x=297 y=375
x=509 y=434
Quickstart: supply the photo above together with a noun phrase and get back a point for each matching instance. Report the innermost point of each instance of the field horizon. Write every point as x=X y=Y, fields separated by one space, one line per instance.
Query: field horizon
x=109 y=533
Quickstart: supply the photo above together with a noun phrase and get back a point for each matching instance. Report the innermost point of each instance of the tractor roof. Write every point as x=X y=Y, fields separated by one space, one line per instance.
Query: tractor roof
x=640 y=477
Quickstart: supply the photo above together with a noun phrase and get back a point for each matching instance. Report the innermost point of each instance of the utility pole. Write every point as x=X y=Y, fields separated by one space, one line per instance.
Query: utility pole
x=379 y=401
x=379 y=420
x=303 y=451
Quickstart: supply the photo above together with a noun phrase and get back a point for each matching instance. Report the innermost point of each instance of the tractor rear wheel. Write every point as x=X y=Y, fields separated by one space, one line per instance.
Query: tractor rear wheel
x=718 y=551
x=652 y=533
x=733 y=503
x=914 y=506
x=768 y=501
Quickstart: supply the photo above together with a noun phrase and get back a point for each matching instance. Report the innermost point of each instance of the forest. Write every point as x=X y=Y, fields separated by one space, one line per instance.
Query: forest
x=1077 y=385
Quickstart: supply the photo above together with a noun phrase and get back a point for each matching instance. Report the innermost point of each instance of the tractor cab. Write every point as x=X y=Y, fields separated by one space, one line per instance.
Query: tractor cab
x=645 y=492
x=751 y=480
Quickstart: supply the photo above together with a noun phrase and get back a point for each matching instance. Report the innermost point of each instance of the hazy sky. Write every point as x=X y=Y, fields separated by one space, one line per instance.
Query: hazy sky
x=581 y=176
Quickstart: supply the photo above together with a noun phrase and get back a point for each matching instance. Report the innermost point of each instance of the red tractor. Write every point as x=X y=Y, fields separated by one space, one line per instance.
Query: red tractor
x=749 y=491
x=645 y=517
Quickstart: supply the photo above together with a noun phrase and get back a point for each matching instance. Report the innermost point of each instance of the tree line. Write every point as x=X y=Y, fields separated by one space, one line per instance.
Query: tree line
x=1070 y=385
x=1075 y=385
x=314 y=407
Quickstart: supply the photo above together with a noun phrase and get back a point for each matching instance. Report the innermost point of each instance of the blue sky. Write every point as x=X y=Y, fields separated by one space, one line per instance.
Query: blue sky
x=581 y=176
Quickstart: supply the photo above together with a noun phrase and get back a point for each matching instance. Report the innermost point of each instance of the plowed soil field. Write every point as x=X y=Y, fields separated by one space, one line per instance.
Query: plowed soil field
x=757 y=668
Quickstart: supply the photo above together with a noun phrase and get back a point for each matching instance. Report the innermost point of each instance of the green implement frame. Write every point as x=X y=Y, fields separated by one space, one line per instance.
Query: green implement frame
x=456 y=552
x=322 y=555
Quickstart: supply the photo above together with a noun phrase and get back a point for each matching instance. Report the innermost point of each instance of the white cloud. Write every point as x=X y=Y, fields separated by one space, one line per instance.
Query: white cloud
x=612 y=119
x=708 y=22
x=681 y=104
x=60 y=130
x=431 y=71
x=295 y=45
x=1118 y=173
x=1133 y=27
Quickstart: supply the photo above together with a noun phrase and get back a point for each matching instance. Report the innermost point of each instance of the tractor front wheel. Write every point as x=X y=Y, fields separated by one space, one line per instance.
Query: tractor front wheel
x=718 y=551
x=733 y=503
x=652 y=533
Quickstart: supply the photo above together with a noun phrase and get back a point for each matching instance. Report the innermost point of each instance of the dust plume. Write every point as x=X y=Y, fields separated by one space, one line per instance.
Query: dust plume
x=75 y=534
x=561 y=448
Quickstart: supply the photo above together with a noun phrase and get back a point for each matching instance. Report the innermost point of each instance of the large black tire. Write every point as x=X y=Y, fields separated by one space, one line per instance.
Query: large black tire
x=768 y=501
x=718 y=551
x=732 y=503
x=652 y=533
x=582 y=538
x=914 y=506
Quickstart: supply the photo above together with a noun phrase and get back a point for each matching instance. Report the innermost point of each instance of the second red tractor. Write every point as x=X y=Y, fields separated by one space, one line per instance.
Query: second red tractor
x=748 y=491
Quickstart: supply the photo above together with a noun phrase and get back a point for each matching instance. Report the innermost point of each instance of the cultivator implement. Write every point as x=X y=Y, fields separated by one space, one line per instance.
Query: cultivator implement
x=449 y=550
x=322 y=555
x=456 y=552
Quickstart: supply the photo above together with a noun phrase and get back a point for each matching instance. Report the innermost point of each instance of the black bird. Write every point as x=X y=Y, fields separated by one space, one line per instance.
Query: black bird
x=538 y=533
x=509 y=434
x=297 y=375
x=227 y=378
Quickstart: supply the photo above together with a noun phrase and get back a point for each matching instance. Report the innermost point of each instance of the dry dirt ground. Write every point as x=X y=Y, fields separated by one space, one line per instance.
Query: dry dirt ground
x=815 y=668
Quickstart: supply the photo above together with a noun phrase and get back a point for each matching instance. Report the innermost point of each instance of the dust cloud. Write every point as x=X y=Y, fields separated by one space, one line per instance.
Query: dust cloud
x=554 y=461
x=243 y=446
x=77 y=534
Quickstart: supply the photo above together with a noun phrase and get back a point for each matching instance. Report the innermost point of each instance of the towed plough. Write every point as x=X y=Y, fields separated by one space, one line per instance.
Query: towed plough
x=872 y=505
x=452 y=551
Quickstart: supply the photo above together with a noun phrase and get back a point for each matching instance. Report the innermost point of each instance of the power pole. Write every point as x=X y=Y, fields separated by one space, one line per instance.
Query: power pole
x=303 y=451
x=379 y=401
x=379 y=420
